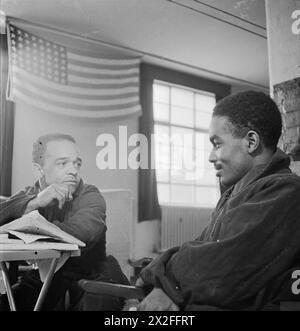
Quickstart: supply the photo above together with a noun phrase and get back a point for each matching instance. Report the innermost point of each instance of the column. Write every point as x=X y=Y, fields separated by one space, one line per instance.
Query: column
x=283 y=32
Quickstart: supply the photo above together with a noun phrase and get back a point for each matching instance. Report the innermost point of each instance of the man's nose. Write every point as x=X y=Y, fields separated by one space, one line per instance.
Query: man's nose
x=73 y=169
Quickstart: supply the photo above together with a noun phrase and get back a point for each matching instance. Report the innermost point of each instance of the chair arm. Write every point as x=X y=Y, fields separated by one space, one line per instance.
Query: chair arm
x=124 y=291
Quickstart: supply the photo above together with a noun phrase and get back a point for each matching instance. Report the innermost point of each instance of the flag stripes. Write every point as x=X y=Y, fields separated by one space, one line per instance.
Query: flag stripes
x=68 y=81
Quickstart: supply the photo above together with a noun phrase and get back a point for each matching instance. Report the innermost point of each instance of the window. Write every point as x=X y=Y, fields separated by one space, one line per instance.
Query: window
x=181 y=121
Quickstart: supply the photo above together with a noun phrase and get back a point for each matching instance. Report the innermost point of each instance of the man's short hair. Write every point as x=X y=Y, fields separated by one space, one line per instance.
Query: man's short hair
x=40 y=145
x=252 y=110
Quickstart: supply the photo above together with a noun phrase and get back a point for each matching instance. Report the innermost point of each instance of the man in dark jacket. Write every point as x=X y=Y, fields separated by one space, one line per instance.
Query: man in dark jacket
x=245 y=258
x=77 y=208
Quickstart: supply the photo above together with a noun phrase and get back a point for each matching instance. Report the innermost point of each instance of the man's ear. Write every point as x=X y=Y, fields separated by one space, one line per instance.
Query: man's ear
x=39 y=169
x=253 y=141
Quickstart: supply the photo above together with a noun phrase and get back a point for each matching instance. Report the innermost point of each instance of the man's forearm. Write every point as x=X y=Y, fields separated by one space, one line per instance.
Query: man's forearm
x=15 y=206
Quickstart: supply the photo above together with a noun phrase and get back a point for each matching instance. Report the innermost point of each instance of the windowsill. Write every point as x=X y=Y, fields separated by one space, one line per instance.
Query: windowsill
x=178 y=205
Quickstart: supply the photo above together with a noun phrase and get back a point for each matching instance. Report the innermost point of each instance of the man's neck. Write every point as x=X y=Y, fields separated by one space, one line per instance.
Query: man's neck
x=263 y=158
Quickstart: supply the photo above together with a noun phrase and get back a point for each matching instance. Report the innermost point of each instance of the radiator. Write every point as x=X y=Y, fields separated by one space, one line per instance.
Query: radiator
x=181 y=224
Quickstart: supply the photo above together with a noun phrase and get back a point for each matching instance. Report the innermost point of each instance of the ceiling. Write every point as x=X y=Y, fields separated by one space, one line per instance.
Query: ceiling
x=219 y=39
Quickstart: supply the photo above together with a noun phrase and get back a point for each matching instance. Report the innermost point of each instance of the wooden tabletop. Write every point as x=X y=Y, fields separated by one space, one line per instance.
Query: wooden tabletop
x=33 y=255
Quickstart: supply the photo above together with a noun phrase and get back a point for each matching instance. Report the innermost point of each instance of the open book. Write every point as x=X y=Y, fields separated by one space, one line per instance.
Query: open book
x=35 y=231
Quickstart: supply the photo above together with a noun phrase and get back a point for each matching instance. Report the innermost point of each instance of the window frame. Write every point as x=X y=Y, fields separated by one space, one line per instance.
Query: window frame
x=151 y=73
x=194 y=130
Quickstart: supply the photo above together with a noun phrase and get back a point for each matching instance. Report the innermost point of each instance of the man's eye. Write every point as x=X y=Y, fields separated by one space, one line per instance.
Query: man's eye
x=61 y=164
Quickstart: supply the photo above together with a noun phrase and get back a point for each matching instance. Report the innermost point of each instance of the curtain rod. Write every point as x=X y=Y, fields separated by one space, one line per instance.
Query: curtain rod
x=137 y=52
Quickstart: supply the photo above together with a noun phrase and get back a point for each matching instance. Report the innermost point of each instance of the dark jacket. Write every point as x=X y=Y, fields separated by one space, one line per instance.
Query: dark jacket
x=83 y=217
x=249 y=248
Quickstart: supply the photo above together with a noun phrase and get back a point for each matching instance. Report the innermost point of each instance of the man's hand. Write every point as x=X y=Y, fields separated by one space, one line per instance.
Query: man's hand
x=157 y=300
x=139 y=282
x=58 y=192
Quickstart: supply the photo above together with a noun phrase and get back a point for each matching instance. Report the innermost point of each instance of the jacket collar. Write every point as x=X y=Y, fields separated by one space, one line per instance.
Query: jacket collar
x=279 y=161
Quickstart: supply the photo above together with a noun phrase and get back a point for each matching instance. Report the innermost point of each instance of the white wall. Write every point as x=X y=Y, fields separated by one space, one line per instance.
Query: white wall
x=241 y=88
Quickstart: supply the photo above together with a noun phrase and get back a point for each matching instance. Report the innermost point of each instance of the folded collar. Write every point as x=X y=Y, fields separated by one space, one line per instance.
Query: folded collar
x=279 y=161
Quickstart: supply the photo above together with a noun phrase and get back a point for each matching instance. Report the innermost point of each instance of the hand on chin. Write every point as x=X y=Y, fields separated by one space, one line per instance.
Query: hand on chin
x=72 y=185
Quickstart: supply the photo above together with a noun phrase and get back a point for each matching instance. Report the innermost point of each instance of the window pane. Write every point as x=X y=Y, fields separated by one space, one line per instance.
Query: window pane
x=208 y=177
x=207 y=196
x=161 y=93
x=162 y=147
x=202 y=119
x=182 y=116
x=178 y=176
x=183 y=171
x=203 y=150
x=182 y=194
x=161 y=112
x=190 y=163
x=182 y=136
x=182 y=154
x=182 y=98
x=195 y=173
x=161 y=129
x=200 y=140
x=183 y=165
x=207 y=144
x=203 y=171
x=177 y=162
x=201 y=160
x=186 y=174
x=163 y=192
x=207 y=164
x=162 y=175
x=192 y=175
x=205 y=103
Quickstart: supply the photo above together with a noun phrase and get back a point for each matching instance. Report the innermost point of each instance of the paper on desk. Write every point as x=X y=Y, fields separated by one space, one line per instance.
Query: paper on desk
x=34 y=223
x=28 y=237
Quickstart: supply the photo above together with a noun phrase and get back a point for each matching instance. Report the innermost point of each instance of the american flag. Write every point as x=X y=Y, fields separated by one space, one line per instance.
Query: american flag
x=68 y=81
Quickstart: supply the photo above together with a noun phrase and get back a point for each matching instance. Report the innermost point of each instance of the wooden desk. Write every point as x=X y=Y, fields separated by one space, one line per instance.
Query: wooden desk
x=8 y=256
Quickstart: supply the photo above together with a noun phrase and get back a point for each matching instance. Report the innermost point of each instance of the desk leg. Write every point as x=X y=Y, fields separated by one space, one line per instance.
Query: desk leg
x=8 y=287
x=46 y=284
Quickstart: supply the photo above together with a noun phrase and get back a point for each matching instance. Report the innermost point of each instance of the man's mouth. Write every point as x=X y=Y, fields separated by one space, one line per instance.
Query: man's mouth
x=71 y=181
x=218 y=170
x=218 y=173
